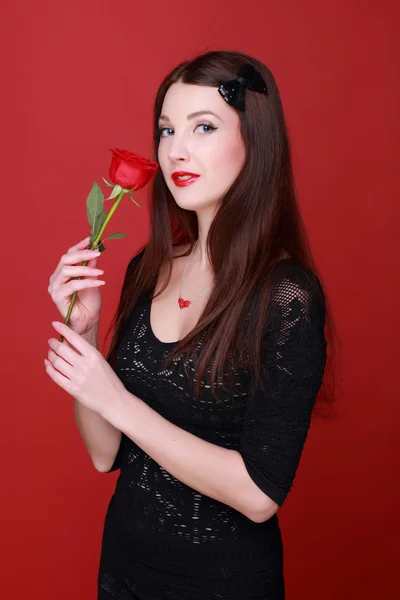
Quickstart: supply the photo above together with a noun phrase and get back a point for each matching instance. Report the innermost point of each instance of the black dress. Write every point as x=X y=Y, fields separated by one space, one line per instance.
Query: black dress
x=162 y=539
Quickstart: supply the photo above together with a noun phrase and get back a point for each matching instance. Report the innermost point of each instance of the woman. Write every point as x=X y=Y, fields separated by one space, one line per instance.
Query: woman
x=219 y=344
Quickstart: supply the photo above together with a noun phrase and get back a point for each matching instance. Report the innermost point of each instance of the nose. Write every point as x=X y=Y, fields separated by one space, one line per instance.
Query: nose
x=178 y=150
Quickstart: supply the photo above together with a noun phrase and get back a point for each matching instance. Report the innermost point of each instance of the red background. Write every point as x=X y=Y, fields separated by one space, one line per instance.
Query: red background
x=79 y=78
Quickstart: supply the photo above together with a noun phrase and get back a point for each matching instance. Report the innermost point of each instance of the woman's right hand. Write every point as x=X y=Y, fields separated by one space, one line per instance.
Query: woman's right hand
x=85 y=313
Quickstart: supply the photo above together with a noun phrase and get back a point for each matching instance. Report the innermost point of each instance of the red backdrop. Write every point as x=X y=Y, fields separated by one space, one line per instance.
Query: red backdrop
x=79 y=78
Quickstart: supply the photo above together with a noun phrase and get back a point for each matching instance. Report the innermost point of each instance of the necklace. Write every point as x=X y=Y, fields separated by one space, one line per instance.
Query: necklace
x=185 y=303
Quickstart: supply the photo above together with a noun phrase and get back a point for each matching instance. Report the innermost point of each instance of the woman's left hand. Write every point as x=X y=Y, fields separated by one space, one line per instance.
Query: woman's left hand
x=83 y=372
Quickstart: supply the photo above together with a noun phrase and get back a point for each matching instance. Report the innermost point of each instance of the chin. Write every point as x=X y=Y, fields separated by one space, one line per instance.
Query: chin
x=199 y=206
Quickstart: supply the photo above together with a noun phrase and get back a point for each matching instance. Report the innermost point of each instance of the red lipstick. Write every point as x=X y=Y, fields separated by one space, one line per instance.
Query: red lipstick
x=184 y=182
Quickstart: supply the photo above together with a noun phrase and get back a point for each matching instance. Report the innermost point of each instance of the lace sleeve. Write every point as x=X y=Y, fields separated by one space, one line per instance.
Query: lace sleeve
x=276 y=422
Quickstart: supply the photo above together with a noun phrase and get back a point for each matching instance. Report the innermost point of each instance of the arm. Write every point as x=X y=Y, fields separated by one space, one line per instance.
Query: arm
x=277 y=421
x=255 y=479
x=212 y=470
x=99 y=436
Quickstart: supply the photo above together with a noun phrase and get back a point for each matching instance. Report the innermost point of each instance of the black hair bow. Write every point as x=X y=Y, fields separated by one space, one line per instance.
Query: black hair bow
x=233 y=91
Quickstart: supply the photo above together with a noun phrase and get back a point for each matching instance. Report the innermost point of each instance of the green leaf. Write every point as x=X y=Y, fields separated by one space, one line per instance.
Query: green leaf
x=98 y=225
x=117 y=189
x=107 y=183
x=94 y=205
x=99 y=222
x=101 y=246
x=115 y=236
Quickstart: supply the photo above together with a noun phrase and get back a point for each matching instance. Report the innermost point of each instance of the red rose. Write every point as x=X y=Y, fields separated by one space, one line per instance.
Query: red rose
x=130 y=170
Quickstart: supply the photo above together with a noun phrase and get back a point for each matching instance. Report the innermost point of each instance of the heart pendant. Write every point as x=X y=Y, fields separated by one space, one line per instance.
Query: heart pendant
x=183 y=303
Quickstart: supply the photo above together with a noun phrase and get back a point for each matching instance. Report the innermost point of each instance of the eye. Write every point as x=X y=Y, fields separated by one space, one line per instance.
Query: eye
x=160 y=130
x=212 y=128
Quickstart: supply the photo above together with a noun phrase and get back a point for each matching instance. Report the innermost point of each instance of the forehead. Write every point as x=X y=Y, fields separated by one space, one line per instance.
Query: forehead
x=182 y=99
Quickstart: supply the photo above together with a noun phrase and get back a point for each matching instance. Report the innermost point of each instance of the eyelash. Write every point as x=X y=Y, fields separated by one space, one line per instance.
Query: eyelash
x=161 y=129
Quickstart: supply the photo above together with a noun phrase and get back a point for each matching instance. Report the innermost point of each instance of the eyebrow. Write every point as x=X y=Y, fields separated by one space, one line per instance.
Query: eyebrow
x=193 y=115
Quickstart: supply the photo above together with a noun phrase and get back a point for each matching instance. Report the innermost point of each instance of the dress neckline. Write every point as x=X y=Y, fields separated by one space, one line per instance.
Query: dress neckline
x=149 y=327
x=147 y=311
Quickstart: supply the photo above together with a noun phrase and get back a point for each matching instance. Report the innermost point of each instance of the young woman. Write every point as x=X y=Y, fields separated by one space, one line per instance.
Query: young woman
x=219 y=343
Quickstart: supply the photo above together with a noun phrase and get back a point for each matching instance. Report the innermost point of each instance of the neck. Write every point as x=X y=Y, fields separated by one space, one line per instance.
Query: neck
x=199 y=257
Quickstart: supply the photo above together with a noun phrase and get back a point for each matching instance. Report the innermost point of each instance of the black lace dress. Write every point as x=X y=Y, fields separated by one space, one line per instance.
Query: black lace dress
x=162 y=539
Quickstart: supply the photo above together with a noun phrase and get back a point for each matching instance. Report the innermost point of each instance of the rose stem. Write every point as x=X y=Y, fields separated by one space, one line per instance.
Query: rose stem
x=93 y=245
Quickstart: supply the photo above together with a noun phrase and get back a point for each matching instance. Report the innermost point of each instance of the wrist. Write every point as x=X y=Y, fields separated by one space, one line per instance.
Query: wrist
x=92 y=335
x=115 y=410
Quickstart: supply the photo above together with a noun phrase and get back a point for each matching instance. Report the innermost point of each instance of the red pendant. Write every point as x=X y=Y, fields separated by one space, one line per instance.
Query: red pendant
x=183 y=303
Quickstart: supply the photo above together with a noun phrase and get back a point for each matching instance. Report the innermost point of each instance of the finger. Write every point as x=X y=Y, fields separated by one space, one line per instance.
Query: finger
x=69 y=271
x=65 y=350
x=72 y=259
x=74 y=338
x=76 y=285
x=63 y=293
x=59 y=379
x=92 y=263
x=80 y=245
x=60 y=365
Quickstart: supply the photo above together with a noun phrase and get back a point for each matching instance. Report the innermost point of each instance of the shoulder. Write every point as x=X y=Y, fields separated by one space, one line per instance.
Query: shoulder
x=292 y=274
x=136 y=258
x=296 y=286
x=133 y=262
x=295 y=323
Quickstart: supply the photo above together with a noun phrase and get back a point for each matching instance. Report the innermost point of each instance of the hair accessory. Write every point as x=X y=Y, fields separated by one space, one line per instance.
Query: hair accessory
x=233 y=91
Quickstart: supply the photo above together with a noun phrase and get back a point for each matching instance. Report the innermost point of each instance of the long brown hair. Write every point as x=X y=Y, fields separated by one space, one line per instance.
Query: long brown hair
x=258 y=219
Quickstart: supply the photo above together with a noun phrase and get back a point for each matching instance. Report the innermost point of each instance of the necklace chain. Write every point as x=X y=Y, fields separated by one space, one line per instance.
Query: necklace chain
x=184 y=270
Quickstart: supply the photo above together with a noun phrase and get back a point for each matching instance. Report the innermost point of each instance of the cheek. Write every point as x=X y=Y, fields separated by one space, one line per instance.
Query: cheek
x=161 y=158
x=165 y=165
x=227 y=158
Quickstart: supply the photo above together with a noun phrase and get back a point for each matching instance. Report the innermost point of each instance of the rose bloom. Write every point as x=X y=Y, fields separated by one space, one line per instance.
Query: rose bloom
x=130 y=170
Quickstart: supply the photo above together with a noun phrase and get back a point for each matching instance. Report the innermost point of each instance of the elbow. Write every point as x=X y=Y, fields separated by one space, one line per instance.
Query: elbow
x=101 y=466
x=264 y=512
x=262 y=516
x=259 y=506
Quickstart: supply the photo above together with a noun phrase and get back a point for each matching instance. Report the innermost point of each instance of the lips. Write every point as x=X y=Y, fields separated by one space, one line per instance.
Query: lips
x=182 y=174
x=191 y=177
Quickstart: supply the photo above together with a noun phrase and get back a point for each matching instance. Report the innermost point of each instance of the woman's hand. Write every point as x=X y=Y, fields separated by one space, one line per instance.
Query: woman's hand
x=82 y=371
x=85 y=313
